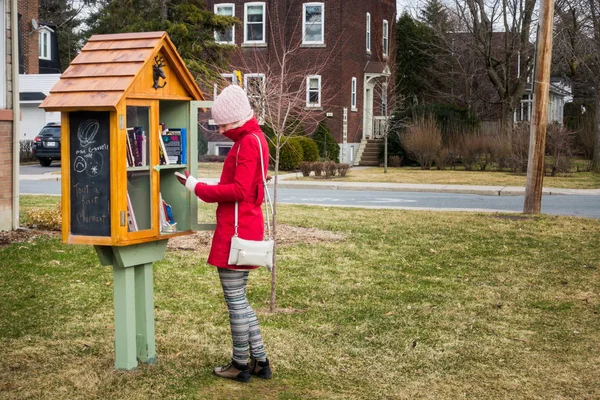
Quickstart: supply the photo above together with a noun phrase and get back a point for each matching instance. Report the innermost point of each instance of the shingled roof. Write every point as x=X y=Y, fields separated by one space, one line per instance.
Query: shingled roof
x=107 y=67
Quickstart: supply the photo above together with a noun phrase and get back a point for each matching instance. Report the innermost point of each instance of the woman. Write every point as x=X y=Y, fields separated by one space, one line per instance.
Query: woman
x=241 y=181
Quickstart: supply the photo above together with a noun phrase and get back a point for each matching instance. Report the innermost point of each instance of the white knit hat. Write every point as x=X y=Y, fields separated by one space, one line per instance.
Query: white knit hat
x=231 y=106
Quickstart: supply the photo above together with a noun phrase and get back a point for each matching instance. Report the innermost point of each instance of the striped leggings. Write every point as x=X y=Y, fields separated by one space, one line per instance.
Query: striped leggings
x=245 y=331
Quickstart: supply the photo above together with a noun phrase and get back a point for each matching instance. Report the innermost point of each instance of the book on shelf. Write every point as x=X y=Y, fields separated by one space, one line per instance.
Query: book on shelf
x=137 y=158
x=140 y=140
x=132 y=223
x=173 y=145
x=179 y=150
x=162 y=151
x=130 y=160
x=167 y=222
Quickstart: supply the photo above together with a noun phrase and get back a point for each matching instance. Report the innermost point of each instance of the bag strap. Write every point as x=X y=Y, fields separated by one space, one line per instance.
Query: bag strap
x=268 y=202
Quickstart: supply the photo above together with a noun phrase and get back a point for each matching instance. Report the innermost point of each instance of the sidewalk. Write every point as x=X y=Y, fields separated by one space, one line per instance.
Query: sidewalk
x=291 y=181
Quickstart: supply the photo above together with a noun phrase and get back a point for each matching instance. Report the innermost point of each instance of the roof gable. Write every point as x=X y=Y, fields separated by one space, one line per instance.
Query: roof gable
x=109 y=67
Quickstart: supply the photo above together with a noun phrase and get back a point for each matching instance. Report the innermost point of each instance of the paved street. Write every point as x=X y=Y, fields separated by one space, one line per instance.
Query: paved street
x=46 y=180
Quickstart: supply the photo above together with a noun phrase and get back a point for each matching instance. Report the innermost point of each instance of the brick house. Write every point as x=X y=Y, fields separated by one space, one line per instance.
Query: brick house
x=342 y=55
x=8 y=121
x=39 y=68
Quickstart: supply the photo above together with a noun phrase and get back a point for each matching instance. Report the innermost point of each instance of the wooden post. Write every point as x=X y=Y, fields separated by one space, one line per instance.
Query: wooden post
x=539 y=120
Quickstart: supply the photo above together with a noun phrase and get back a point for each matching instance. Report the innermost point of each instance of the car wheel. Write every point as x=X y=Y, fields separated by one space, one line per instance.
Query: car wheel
x=45 y=162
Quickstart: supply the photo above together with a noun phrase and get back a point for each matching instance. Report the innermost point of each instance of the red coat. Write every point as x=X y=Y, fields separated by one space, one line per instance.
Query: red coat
x=242 y=183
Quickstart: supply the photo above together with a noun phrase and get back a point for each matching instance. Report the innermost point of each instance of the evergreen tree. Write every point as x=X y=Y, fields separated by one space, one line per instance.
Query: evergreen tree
x=61 y=14
x=435 y=15
x=414 y=58
x=189 y=24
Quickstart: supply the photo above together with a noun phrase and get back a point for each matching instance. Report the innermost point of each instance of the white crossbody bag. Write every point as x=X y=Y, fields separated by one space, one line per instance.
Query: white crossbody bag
x=254 y=252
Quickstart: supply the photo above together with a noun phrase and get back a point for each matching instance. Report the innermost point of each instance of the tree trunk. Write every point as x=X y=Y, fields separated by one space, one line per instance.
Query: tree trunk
x=274 y=270
x=596 y=156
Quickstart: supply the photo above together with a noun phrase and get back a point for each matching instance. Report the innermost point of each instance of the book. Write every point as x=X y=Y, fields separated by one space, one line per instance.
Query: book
x=139 y=135
x=162 y=151
x=137 y=158
x=183 y=134
x=172 y=142
x=132 y=223
x=130 y=160
x=167 y=222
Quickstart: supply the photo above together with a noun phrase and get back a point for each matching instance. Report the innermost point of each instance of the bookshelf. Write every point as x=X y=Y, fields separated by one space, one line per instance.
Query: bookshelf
x=128 y=129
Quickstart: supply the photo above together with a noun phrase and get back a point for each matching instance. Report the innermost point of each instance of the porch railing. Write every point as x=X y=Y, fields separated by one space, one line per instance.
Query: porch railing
x=380 y=126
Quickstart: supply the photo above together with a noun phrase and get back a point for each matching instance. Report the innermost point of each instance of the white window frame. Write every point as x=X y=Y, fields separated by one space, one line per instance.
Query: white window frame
x=308 y=91
x=230 y=77
x=385 y=39
x=225 y=5
x=2 y=54
x=353 y=91
x=264 y=22
x=304 y=23
x=45 y=38
x=368 y=30
x=261 y=115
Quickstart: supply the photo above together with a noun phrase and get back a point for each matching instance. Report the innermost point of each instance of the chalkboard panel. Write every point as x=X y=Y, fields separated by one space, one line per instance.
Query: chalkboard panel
x=90 y=173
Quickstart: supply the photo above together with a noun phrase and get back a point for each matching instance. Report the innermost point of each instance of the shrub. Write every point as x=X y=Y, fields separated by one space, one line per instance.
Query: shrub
x=423 y=140
x=45 y=218
x=318 y=167
x=330 y=169
x=290 y=154
x=343 y=169
x=25 y=151
x=306 y=168
x=328 y=147
x=559 y=142
x=212 y=158
x=579 y=118
x=442 y=158
x=519 y=145
x=395 y=148
x=202 y=144
x=394 y=161
x=310 y=151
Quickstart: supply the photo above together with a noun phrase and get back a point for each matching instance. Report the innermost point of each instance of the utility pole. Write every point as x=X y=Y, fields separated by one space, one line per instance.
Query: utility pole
x=539 y=120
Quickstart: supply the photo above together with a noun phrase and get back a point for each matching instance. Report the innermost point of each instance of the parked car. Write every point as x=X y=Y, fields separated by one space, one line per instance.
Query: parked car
x=46 y=145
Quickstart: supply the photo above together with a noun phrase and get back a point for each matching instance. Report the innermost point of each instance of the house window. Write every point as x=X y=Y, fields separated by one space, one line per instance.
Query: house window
x=228 y=79
x=385 y=38
x=313 y=23
x=368 y=33
x=254 y=23
x=353 y=96
x=384 y=97
x=44 y=44
x=227 y=37
x=254 y=84
x=313 y=91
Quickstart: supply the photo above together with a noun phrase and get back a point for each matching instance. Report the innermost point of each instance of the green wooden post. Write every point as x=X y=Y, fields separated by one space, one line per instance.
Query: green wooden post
x=133 y=300
x=124 y=305
x=144 y=316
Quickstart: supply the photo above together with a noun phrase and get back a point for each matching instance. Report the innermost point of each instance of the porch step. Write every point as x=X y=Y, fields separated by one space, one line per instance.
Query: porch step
x=370 y=153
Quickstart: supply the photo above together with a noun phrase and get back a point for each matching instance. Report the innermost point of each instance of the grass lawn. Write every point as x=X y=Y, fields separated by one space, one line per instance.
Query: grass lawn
x=406 y=305
x=575 y=180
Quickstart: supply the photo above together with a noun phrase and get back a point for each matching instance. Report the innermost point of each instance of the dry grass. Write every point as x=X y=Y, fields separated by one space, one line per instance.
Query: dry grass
x=401 y=305
x=579 y=180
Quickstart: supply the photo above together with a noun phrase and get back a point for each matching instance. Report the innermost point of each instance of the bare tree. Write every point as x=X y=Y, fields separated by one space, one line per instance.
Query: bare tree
x=499 y=33
x=578 y=54
x=279 y=94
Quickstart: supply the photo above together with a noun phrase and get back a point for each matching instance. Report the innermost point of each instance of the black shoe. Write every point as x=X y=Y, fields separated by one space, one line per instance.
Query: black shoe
x=260 y=369
x=235 y=371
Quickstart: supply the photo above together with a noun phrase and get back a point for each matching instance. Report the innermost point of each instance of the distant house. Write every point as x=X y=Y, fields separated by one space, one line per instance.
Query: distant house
x=560 y=94
x=471 y=86
x=9 y=218
x=356 y=38
x=39 y=68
